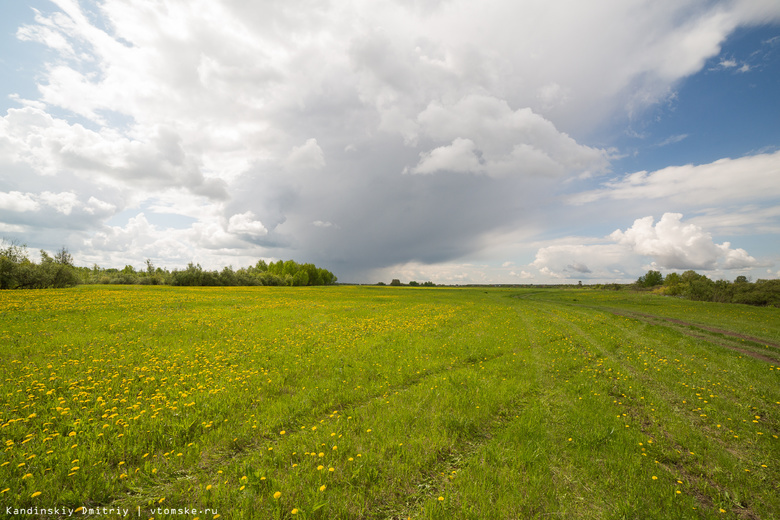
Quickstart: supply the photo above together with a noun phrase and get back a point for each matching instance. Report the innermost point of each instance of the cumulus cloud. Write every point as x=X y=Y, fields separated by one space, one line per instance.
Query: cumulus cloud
x=308 y=156
x=674 y=245
x=261 y=121
x=750 y=178
x=567 y=261
x=245 y=224
x=18 y=202
x=52 y=146
x=457 y=157
x=666 y=244
x=487 y=136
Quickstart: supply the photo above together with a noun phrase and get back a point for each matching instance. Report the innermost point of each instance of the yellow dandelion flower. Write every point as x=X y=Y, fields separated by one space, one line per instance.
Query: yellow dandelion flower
x=35 y=494
x=277 y=495
x=323 y=487
x=441 y=499
x=294 y=512
x=208 y=487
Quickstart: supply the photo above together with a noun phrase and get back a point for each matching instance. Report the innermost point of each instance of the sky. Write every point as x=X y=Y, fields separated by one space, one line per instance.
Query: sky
x=454 y=141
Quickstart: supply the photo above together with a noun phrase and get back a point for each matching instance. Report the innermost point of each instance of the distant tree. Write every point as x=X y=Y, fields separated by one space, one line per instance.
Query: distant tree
x=650 y=279
x=396 y=282
x=228 y=277
x=63 y=257
x=413 y=283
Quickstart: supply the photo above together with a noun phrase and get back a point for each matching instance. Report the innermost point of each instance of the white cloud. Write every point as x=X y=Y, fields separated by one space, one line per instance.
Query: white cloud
x=18 y=202
x=323 y=224
x=571 y=261
x=668 y=244
x=209 y=108
x=674 y=245
x=62 y=202
x=308 y=156
x=245 y=224
x=52 y=146
x=750 y=178
x=509 y=142
x=457 y=157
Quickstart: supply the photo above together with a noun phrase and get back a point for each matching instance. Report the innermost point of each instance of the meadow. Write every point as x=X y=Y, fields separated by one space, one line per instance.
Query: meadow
x=386 y=402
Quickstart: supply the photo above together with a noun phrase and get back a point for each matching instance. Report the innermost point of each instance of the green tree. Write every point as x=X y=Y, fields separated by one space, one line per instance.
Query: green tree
x=650 y=279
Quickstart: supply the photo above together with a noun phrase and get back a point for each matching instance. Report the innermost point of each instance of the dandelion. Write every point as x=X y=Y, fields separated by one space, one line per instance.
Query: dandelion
x=277 y=495
x=441 y=499
x=655 y=478
x=322 y=487
x=35 y=494
x=208 y=487
x=294 y=512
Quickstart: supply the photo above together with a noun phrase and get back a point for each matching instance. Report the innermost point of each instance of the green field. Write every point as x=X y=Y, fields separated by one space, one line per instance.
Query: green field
x=382 y=402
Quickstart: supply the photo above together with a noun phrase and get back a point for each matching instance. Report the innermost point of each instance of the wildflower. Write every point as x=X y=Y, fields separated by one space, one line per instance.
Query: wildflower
x=277 y=495
x=294 y=512
x=35 y=494
x=322 y=487
x=441 y=499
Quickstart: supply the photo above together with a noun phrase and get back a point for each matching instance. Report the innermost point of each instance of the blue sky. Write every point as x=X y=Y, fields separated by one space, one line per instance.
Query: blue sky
x=412 y=139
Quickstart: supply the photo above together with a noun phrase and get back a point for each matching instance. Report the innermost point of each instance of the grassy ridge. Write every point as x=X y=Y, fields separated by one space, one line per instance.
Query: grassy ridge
x=350 y=402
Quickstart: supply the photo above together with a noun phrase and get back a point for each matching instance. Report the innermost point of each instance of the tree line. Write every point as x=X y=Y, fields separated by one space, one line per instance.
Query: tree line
x=695 y=286
x=18 y=271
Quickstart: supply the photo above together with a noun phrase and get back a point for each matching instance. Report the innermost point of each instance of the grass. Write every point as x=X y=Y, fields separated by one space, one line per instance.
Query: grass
x=369 y=402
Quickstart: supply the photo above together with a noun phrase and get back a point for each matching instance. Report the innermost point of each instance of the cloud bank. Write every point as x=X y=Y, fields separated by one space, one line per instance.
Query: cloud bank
x=359 y=136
